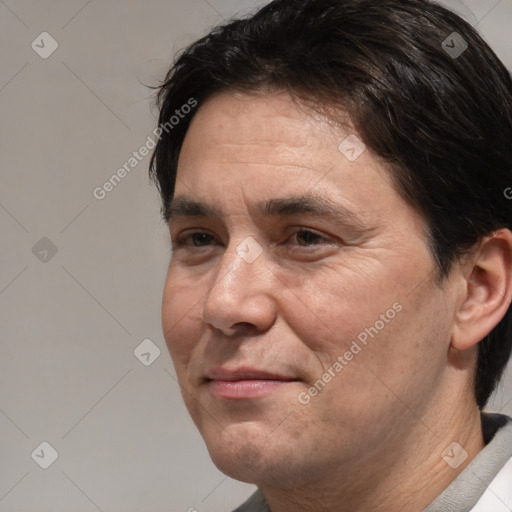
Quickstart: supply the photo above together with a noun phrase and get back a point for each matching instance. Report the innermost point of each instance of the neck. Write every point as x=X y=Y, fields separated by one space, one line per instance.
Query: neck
x=407 y=474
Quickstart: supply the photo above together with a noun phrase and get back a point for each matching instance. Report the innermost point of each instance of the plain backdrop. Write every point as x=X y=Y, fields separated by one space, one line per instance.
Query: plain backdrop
x=81 y=277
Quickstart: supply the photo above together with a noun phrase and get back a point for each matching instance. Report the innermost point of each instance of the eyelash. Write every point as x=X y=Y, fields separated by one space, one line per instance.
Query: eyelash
x=182 y=240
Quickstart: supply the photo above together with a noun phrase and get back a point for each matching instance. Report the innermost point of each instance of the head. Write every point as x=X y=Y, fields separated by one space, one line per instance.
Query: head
x=339 y=216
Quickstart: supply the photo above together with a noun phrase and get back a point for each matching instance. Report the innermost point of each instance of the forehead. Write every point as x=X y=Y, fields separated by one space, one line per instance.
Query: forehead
x=272 y=128
x=253 y=147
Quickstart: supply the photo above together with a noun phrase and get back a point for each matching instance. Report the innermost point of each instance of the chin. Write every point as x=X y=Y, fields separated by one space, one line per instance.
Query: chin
x=258 y=462
x=244 y=463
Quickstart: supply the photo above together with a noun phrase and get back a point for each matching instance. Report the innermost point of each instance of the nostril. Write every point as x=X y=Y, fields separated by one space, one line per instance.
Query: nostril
x=238 y=329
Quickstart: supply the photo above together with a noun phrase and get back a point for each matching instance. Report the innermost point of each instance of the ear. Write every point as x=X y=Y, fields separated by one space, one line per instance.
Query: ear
x=487 y=290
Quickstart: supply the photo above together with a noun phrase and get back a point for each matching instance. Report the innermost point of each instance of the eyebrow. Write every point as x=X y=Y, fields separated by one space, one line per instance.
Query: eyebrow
x=184 y=206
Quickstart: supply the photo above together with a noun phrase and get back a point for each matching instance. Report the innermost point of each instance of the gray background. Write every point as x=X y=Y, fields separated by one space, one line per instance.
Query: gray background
x=70 y=321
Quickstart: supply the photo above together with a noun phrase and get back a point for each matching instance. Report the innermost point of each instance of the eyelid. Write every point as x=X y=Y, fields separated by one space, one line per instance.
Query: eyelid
x=184 y=238
x=302 y=229
x=187 y=235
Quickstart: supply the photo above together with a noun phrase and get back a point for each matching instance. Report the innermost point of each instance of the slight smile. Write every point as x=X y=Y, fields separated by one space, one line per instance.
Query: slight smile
x=244 y=383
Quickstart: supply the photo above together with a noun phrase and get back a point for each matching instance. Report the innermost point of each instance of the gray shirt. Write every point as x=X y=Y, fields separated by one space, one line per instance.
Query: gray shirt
x=470 y=487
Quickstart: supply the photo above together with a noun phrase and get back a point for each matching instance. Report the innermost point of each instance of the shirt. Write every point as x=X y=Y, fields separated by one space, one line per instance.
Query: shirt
x=485 y=485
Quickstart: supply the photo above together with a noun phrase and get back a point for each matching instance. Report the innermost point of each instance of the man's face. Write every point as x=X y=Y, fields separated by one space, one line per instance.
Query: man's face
x=300 y=257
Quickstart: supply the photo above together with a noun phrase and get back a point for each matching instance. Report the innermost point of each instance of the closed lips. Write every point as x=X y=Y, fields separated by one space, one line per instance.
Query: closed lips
x=244 y=374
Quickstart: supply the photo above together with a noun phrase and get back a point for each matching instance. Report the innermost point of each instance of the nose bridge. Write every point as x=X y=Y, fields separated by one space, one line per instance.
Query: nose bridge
x=241 y=265
x=240 y=292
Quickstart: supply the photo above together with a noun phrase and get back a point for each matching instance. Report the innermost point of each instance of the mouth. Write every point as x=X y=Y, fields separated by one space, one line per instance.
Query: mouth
x=244 y=383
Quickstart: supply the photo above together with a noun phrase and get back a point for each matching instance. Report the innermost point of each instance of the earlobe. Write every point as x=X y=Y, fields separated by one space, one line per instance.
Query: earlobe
x=488 y=290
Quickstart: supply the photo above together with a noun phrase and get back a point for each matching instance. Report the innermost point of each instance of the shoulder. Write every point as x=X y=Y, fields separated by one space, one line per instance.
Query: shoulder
x=498 y=495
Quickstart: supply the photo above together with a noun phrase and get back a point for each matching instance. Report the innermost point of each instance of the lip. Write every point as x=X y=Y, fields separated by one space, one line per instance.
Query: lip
x=244 y=382
x=243 y=373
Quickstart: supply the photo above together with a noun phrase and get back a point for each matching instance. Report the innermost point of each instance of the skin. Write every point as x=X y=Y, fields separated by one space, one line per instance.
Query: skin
x=372 y=438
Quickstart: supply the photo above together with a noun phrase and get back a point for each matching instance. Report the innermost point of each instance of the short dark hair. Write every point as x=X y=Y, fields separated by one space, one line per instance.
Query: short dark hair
x=441 y=121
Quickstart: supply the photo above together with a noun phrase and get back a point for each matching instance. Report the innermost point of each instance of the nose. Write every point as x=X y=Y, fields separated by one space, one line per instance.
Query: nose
x=240 y=299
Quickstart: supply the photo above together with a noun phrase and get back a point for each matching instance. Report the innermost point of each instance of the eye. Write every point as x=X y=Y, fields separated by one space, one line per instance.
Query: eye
x=301 y=237
x=307 y=238
x=197 y=239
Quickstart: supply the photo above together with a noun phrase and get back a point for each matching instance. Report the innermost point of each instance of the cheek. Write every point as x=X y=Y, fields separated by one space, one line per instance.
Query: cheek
x=389 y=360
x=180 y=317
x=329 y=308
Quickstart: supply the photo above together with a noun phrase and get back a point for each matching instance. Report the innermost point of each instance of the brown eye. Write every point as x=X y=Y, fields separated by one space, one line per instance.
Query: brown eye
x=307 y=238
x=195 y=240
x=200 y=239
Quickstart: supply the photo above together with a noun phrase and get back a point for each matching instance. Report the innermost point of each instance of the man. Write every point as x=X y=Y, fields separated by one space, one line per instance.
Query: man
x=337 y=304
